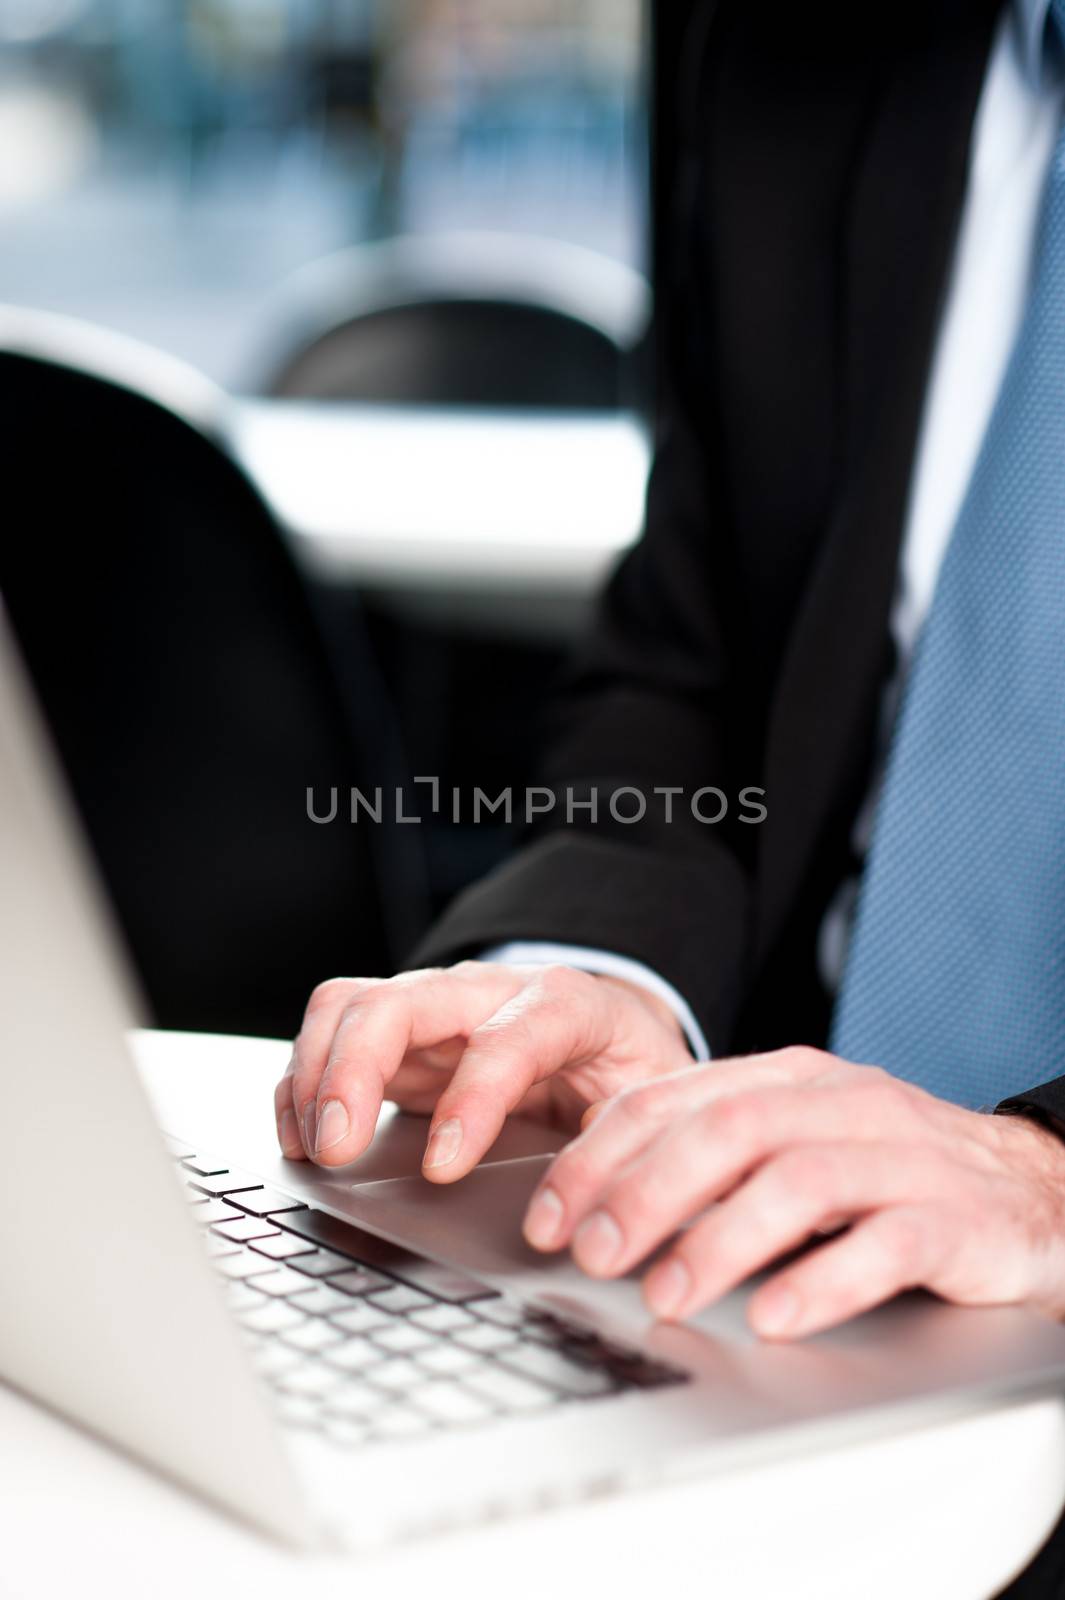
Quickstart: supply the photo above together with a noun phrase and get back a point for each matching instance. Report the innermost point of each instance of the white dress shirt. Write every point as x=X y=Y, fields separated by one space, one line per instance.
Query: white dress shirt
x=1017 y=121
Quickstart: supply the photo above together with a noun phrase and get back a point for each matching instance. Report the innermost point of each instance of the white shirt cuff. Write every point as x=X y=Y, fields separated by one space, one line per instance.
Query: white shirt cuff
x=541 y=952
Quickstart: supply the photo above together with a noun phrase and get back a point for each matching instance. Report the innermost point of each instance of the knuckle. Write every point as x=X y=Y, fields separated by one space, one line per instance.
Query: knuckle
x=415 y=978
x=900 y=1237
x=574 y=1170
x=643 y=1102
x=328 y=994
x=806 y=1058
x=809 y=1174
x=880 y=1093
x=560 y=982
x=510 y=1029
x=736 y=1118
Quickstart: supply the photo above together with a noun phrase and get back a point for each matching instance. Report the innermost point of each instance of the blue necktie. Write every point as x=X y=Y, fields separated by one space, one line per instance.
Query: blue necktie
x=956 y=975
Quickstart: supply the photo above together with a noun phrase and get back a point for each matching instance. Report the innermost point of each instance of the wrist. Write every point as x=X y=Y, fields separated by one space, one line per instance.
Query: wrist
x=659 y=1009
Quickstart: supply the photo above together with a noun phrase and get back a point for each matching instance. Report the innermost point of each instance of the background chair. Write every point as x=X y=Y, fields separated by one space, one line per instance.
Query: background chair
x=189 y=687
x=491 y=320
x=496 y=322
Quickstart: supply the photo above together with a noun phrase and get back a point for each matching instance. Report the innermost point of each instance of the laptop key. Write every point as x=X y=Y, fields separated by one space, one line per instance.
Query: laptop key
x=441 y=1283
x=209 y=1211
x=314 y=1334
x=646 y=1374
x=309 y=1378
x=242 y=1297
x=279 y=1245
x=244 y=1265
x=272 y=1358
x=228 y=1182
x=243 y=1229
x=360 y=1319
x=204 y=1166
x=281 y=1281
x=400 y=1299
x=354 y=1355
x=486 y=1338
x=273 y=1316
x=402 y=1338
x=354 y=1399
x=320 y=1263
x=263 y=1202
x=219 y=1248
x=447 y=1360
x=320 y=1298
x=503 y=1313
x=359 y=1280
x=552 y=1367
x=445 y=1283
x=297 y=1411
x=398 y=1375
x=443 y=1319
x=508 y=1391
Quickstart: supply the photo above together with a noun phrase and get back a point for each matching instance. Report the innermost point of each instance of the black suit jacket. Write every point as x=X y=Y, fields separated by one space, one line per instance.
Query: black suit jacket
x=810 y=167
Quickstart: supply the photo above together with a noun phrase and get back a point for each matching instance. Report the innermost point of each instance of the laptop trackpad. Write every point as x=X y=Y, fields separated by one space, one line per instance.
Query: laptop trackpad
x=476 y=1224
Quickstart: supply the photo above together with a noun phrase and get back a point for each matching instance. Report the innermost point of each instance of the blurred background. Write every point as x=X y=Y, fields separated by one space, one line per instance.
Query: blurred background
x=165 y=164
x=323 y=386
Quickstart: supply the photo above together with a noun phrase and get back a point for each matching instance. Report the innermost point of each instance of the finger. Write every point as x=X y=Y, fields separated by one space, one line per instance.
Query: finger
x=779 y=1209
x=622 y=1210
x=897 y=1249
x=560 y=1017
x=624 y=1126
x=372 y=1037
x=288 y=1134
x=311 y=1046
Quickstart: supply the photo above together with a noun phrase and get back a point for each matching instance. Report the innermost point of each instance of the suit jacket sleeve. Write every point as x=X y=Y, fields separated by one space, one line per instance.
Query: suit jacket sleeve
x=645 y=707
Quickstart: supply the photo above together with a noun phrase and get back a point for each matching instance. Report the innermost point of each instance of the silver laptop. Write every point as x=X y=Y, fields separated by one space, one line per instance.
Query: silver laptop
x=351 y=1357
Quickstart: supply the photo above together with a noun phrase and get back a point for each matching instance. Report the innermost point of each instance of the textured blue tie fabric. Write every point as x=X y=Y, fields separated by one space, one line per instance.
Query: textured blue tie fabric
x=956 y=974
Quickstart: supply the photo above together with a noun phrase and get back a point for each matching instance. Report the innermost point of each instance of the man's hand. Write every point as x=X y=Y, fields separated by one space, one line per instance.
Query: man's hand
x=469 y=1044
x=796 y=1144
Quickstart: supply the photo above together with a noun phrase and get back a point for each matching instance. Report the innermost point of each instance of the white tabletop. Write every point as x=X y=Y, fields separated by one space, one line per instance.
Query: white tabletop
x=457 y=505
x=948 y=1512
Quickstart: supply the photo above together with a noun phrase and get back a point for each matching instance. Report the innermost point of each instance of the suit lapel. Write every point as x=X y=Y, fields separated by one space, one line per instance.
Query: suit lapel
x=897 y=248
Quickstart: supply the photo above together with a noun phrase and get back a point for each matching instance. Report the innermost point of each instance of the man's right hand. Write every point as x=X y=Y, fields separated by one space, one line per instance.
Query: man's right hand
x=469 y=1045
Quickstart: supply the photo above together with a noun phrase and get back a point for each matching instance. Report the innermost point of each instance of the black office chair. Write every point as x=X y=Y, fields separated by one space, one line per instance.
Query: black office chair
x=188 y=686
x=500 y=321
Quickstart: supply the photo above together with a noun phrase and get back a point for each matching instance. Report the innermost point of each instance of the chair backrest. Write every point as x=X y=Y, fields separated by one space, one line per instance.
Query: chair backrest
x=460 y=319
x=193 y=701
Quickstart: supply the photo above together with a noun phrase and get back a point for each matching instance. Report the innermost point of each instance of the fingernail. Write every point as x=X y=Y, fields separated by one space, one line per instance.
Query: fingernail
x=597 y=1242
x=667 y=1288
x=288 y=1134
x=777 y=1311
x=310 y=1116
x=333 y=1125
x=445 y=1144
x=543 y=1219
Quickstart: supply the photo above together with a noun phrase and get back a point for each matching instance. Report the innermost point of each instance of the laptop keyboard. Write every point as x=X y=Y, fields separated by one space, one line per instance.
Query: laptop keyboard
x=364 y=1342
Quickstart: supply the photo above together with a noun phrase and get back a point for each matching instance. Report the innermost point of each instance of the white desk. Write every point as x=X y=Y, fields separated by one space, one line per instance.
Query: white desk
x=947 y=1513
x=461 y=511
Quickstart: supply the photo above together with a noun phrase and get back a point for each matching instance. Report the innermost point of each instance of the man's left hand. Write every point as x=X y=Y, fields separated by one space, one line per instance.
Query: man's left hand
x=795 y=1144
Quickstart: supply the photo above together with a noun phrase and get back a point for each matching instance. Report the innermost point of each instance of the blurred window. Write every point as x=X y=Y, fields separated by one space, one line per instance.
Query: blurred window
x=165 y=164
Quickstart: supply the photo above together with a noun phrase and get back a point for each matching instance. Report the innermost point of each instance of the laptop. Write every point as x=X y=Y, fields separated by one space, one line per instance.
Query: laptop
x=348 y=1358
